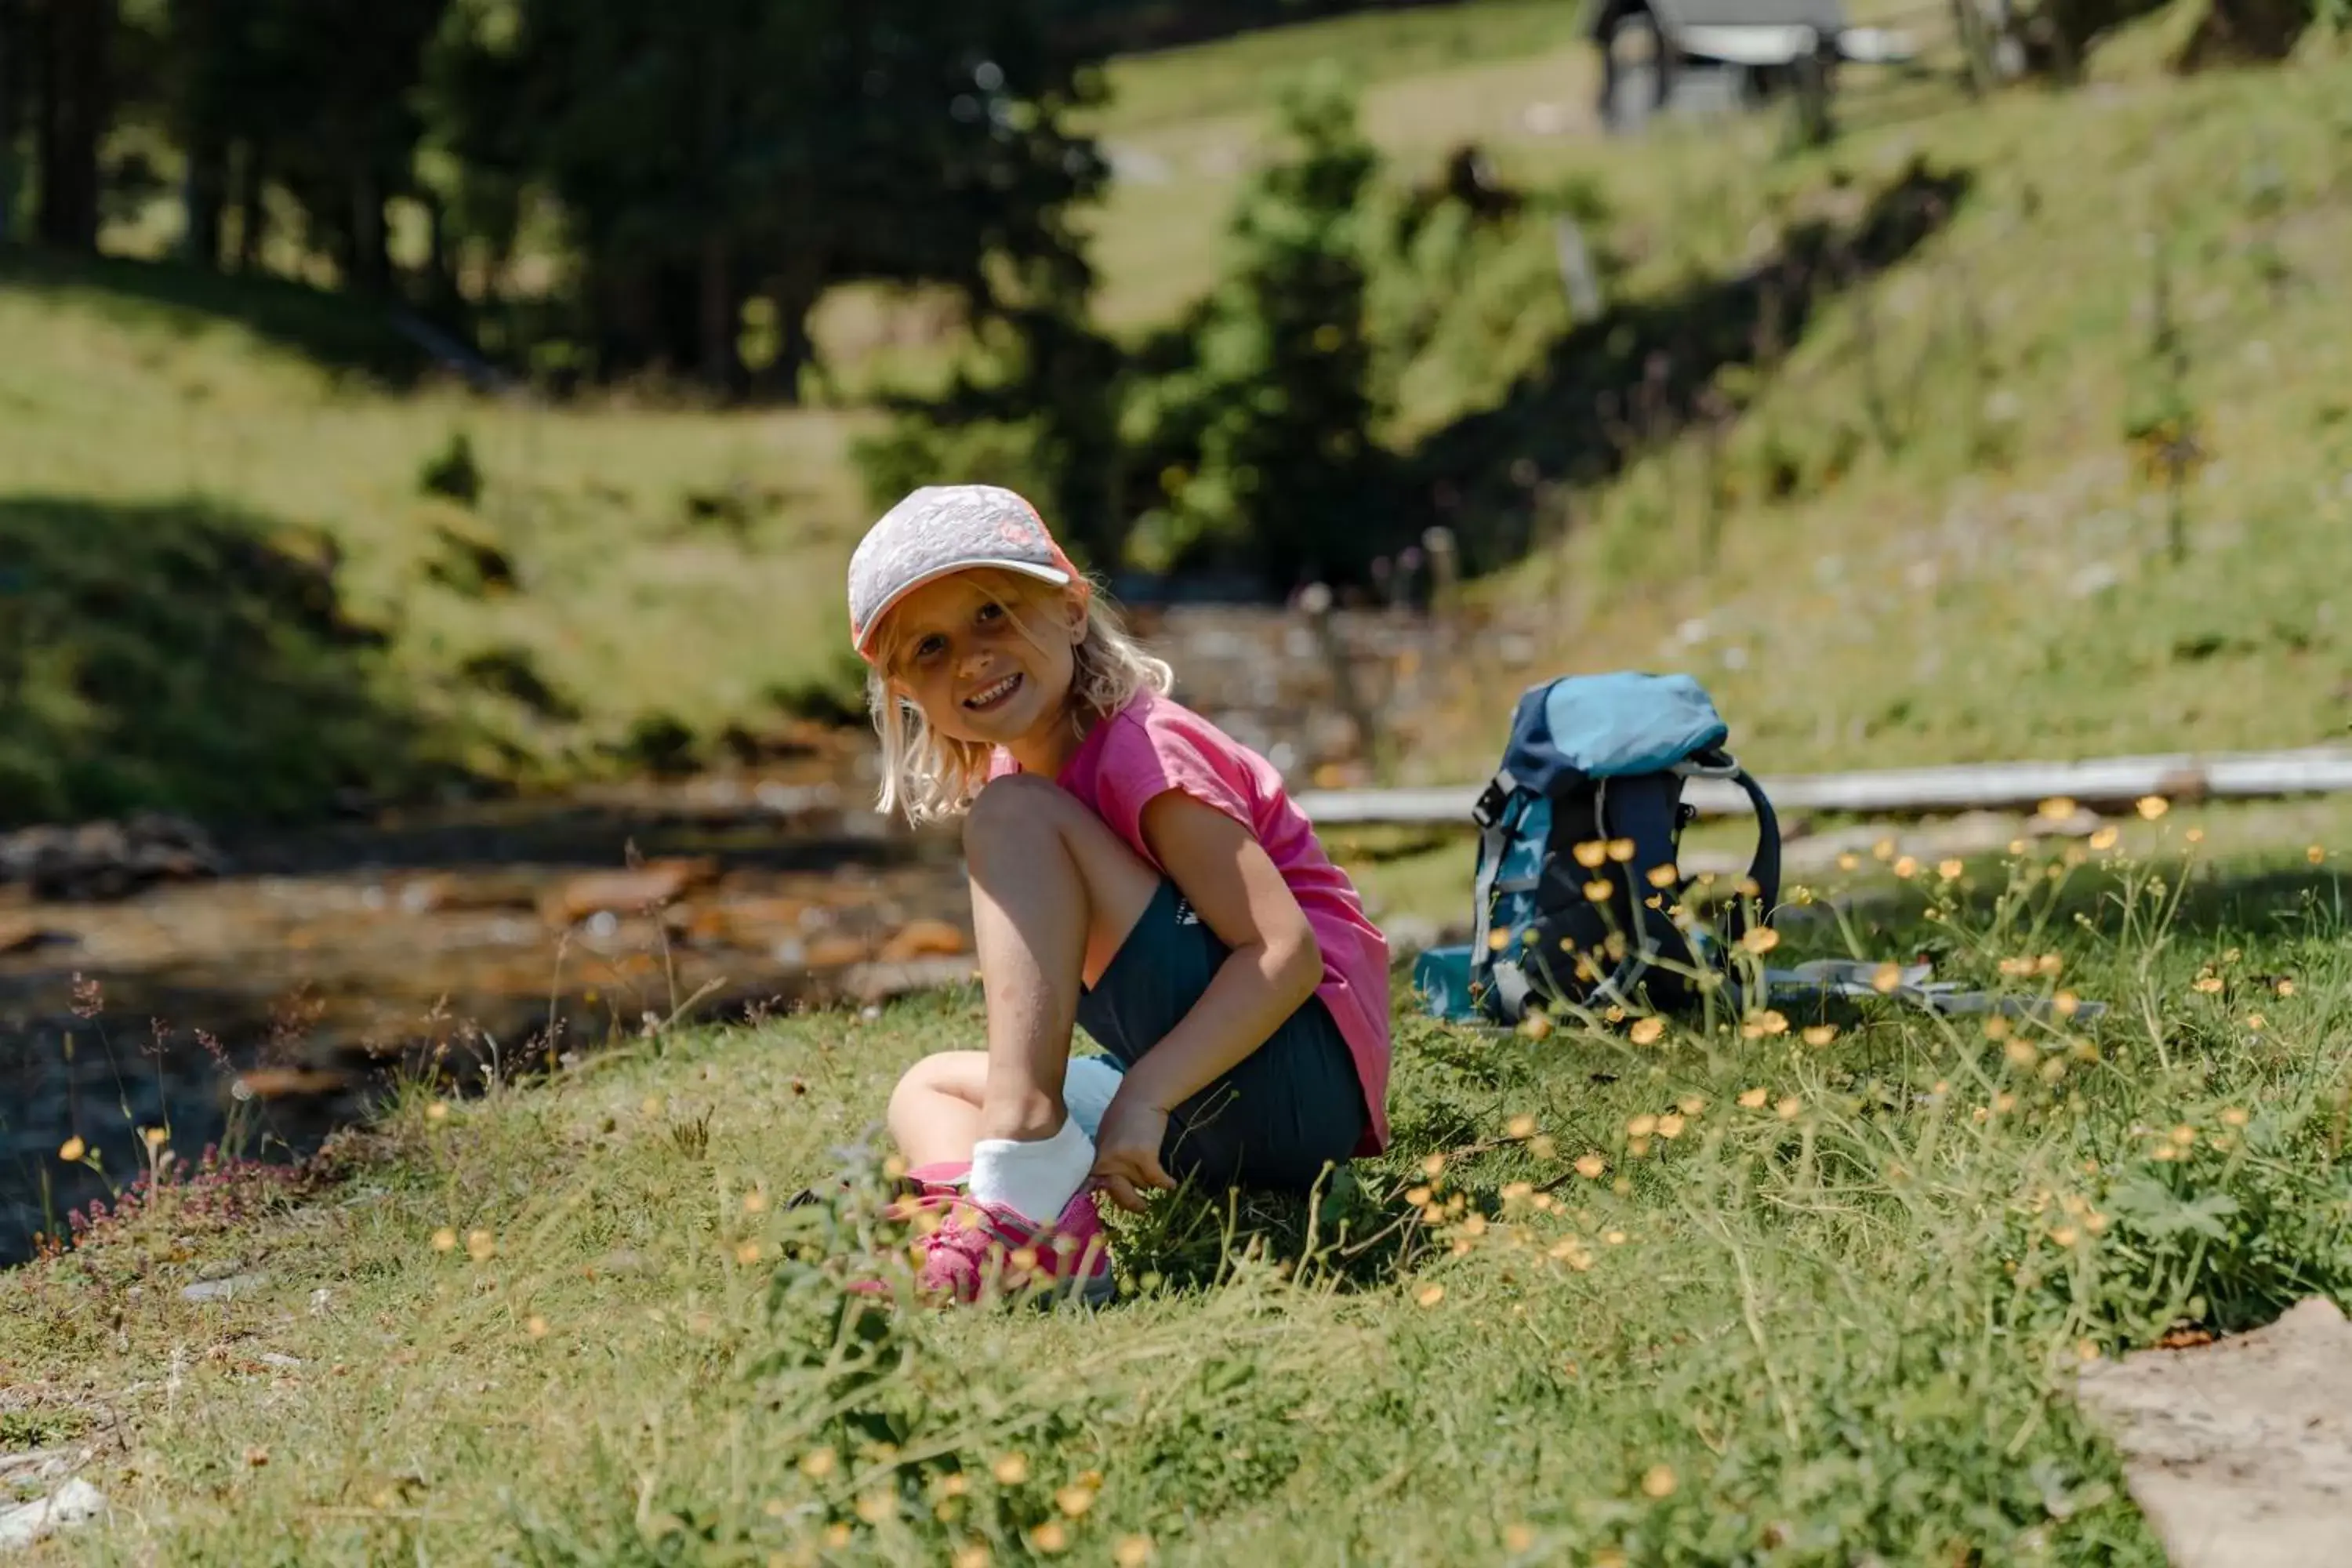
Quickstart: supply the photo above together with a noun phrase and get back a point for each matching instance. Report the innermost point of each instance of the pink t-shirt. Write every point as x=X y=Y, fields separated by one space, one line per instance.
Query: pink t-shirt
x=1153 y=745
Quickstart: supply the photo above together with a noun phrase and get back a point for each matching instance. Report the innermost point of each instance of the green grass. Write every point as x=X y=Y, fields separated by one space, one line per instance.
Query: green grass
x=1983 y=570
x=1818 y=1301
x=1244 y=73
x=137 y=411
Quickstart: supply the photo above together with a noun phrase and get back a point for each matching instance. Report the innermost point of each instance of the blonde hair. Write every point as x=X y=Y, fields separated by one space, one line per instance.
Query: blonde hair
x=932 y=777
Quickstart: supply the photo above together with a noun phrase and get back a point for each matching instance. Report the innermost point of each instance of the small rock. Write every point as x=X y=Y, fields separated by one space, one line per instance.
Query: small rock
x=107 y=860
x=226 y=1289
x=445 y=892
x=36 y=1467
x=650 y=886
x=924 y=939
x=280 y=1083
x=747 y=921
x=795 y=800
x=2239 y=1451
x=833 y=952
x=876 y=982
x=281 y=1361
x=76 y=1502
x=23 y=936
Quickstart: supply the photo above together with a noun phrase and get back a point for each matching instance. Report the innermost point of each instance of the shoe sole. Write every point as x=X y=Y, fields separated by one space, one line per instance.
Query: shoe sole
x=1098 y=1290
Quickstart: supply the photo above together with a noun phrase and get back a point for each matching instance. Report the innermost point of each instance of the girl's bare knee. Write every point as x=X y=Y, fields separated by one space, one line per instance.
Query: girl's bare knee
x=943 y=1072
x=1015 y=801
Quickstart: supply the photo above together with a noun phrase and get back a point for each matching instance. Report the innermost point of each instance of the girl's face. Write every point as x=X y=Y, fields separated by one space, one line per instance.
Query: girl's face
x=987 y=662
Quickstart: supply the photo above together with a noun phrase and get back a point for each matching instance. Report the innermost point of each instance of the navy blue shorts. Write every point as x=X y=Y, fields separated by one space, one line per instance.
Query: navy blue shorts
x=1283 y=1113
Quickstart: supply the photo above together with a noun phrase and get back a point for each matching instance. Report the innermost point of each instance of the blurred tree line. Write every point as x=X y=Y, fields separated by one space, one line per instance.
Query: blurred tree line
x=592 y=189
x=672 y=170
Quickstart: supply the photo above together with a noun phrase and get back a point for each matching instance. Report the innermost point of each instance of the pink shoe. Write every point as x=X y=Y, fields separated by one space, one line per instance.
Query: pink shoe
x=942 y=1176
x=910 y=1191
x=928 y=1186
x=978 y=1247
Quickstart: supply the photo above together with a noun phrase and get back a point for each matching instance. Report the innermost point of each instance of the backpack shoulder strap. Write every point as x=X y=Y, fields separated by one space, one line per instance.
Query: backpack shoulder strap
x=1764 y=868
x=1496 y=819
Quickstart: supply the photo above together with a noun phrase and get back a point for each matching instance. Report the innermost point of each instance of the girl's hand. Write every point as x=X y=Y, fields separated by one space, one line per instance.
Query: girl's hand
x=1126 y=1150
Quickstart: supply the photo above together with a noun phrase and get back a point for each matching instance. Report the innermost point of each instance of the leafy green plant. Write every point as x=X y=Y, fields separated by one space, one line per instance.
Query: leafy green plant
x=1281 y=387
x=2162 y=423
x=453 y=472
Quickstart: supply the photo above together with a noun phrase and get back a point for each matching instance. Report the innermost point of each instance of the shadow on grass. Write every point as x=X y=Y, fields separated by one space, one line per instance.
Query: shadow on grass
x=2263 y=900
x=1643 y=371
x=2273 y=895
x=1369 y=1224
x=1353 y=1235
x=190 y=656
x=335 y=331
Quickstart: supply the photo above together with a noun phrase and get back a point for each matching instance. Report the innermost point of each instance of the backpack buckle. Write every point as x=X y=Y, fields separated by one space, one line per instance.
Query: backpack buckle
x=1488 y=808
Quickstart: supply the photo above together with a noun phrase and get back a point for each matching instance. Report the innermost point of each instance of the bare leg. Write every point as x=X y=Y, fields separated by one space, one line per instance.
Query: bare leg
x=1053 y=894
x=935 y=1110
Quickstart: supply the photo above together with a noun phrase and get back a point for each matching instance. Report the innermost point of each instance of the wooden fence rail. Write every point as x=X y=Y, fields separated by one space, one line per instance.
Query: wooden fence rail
x=2109 y=784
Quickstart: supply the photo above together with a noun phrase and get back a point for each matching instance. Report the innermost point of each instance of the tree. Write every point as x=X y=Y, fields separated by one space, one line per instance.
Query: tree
x=316 y=96
x=67 y=44
x=1282 y=389
x=9 y=98
x=710 y=151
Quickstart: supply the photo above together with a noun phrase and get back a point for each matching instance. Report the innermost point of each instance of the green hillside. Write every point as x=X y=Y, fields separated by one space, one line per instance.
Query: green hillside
x=1925 y=527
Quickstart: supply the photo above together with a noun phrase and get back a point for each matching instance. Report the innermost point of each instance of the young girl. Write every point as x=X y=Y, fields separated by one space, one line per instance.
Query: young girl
x=1134 y=870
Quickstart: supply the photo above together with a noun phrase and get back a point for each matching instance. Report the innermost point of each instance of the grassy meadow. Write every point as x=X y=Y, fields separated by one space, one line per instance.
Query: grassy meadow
x=620 y=564
x=1784 y=1288
x=1795 y=1288
x=1943 y=530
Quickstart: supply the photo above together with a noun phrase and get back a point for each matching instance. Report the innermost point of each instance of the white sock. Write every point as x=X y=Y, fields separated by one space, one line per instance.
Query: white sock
x=1035 y=1179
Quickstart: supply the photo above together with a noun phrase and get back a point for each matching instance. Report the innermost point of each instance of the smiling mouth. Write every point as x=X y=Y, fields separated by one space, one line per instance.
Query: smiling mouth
x=994 y=696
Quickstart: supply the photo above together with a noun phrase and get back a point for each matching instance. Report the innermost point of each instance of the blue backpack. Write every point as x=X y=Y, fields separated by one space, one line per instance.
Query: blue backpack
x=1577 y=882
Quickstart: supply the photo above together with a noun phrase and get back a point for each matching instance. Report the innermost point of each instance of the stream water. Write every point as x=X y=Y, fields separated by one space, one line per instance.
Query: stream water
x=269 y=1005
